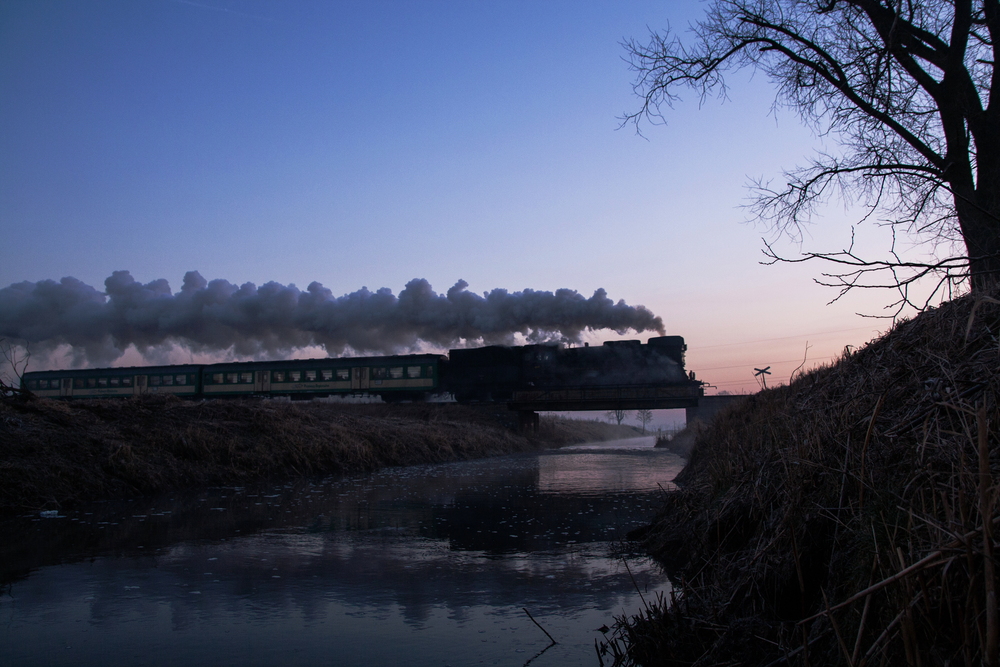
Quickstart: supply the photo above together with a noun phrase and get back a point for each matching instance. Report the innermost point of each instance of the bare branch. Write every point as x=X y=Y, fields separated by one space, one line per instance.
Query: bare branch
x=908 y=92
x=15 y=364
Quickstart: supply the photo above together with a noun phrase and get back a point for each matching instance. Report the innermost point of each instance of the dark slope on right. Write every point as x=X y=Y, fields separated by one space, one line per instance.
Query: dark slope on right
x=841 y=519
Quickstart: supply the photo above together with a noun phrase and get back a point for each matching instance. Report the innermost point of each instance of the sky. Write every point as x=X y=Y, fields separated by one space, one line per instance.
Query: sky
x=365 y=144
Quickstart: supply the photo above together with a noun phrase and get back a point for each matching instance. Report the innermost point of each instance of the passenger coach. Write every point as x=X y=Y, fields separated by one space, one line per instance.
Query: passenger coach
x=400 y=377
x=109 y=382
x=394 y=378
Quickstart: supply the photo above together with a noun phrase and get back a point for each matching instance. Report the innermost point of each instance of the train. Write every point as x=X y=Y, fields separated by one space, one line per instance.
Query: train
x=470 y=375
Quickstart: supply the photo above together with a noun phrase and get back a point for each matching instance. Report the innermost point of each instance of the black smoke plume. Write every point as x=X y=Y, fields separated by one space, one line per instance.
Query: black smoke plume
x=259 y=322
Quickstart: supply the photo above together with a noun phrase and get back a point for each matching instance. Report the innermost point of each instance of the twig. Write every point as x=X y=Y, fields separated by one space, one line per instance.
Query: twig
x=885 y=633
x=635 y=583
x=972 y=314
x=534 y=657
x=836 y=630
x=926 y=561
x=794 y=652
x=986 y=510
x=539 y=626
x=864 y=451
x=805 y=355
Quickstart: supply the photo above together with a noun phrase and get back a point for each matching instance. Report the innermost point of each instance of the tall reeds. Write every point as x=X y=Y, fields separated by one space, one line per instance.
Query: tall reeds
x=848 y=518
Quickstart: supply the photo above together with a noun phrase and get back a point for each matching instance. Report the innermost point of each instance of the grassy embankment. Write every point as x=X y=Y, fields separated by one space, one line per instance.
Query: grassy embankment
x=845 y=519
x=54 y=452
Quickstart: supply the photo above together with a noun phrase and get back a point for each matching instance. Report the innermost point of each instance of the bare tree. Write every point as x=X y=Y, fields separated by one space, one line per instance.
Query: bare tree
x=12 y=368
x=618 y=415
x=644 y=417
x=907 y=89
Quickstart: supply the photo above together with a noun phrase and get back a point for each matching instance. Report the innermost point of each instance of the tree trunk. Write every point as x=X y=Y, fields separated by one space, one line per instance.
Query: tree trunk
x=978 y=206
x=981 y=231
x=979 y=220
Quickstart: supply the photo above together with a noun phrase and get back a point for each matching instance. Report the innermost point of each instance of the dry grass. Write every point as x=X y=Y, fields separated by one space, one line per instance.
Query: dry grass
x=53 y=452
x=847 y=518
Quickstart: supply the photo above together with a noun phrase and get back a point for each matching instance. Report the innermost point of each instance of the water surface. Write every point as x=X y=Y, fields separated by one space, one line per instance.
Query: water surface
x=426 y=565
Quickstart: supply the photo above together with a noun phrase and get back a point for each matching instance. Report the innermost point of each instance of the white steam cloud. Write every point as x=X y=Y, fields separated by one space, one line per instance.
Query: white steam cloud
x=273 y=319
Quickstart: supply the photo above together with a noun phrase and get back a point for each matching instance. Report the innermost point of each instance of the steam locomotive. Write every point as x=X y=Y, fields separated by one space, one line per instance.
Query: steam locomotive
x=483 y=374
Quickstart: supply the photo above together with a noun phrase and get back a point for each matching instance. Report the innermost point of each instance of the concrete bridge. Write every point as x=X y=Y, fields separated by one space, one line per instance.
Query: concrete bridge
x=608 y=397
x=687 y=395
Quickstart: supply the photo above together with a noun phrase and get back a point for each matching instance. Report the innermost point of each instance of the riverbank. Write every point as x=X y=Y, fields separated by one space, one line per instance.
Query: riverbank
x=840 y=520
x=54 y=453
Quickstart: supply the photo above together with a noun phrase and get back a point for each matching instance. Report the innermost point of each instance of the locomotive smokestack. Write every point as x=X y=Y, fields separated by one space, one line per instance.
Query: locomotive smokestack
x=273 y=319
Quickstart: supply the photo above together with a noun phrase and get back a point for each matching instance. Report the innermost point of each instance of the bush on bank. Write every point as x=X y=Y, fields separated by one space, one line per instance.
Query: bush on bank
x=845 y=519
x=58 y=452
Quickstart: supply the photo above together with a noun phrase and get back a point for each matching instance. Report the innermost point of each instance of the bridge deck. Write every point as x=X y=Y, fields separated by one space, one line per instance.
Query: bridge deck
x=615 y=397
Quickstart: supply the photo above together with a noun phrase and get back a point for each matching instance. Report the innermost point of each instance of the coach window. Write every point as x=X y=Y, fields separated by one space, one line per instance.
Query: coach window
x=102 y=382
x=294 y=376
x=379 y=373
x=246 y=378
x=326 y=375
x=154 y=380
x=114 y=382
x=181 y=379
x=216 y=378
x=231 y=378
x=33 y=384
x=396 y=372
x=310 y=376
x=78 y=383
x=343 y=374
x=413 y=371
x=127 y=382
x=278 y=376
x=168 y=379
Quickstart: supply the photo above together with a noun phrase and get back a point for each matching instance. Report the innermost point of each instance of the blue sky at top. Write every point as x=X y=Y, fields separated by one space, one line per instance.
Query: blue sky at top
x=370 y=143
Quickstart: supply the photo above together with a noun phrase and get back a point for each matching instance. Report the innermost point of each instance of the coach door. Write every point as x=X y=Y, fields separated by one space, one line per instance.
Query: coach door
x=359 y=378
x=139 y=386
x=66 y=387
x=262 y=382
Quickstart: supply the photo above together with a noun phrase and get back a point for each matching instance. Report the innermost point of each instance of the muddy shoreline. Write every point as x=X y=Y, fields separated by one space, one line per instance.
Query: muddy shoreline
x=56 y=453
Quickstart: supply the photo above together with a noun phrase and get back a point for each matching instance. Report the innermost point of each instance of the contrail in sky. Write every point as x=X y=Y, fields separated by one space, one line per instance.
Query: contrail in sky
x=273 y=319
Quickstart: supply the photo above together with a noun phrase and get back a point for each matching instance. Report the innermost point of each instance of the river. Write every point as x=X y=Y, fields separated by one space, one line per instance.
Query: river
x=425 y=565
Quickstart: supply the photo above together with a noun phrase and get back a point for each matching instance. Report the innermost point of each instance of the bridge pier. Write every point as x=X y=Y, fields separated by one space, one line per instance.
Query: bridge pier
x=708 y=407
x=527 y=421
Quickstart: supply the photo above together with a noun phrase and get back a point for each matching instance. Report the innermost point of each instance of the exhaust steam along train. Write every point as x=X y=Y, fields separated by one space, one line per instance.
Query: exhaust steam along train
x=492 y=373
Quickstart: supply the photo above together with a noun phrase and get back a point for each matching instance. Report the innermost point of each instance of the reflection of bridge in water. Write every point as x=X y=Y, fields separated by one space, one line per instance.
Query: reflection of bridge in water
x=687 y=395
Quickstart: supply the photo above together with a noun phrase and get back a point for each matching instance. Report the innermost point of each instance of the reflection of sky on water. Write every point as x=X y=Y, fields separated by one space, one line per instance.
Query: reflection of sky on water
x=426 y=565
x=619 y=466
